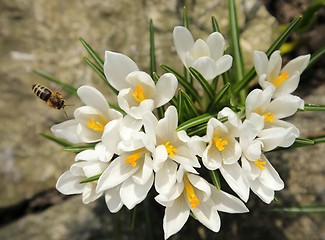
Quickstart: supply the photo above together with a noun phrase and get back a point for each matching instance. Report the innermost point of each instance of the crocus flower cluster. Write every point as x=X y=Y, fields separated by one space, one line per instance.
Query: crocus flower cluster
x=136 y=151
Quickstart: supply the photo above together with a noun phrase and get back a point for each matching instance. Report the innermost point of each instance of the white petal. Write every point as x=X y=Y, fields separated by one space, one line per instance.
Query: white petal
x=270 y=177
x=117 y=172
x=89 y=194
x=201 y=184
x=216 y=43
x=284 y=106
x=116 y=67
x=260 y=62
x=183 y=41
x=93 y=98
x=166 y=127
x=206 y=66
x=207 y=216
x=274 y=65
x=234 y=177
x=165 y=89
x=223 y=64
x=226 y=202
x=87 y=155
x=264 y=193
x=132 y=194
x=69 y=184
x=212 y=158
x=94 y=168
x=166 y=177
x=144 y=174
x=67 y=130
x=159 y=157
x=175 y=217
x=113 y=200
x=298 y=64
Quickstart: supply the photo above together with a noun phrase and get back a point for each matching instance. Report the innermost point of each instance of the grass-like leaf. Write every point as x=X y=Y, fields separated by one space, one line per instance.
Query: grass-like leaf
x=78 y=148
x=67 y=87
x=238 y=65
x=275 y=46
x=203 y=82
x=180 y=106
x=92 y=53
x=316 y=56
x=187 y=86
x=190 y=106
x=100 y=73
x=214 y=174
x=309 y=107
x=195 y=121
x=55 y=139
x=299 y=210
x=91 y=179
x=153 y=67
x=219 y=96
x=215 y=25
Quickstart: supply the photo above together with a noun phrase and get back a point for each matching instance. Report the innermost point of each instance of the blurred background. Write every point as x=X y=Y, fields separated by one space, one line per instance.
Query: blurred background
x=45 y=35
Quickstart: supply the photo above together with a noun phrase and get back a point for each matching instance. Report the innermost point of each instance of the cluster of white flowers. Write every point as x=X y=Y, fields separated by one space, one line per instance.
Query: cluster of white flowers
x=135 y=150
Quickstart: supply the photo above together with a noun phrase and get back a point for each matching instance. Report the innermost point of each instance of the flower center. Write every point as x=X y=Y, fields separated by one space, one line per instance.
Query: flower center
x=170 y=149
x=220 y=143
x=190 y=194
x=132 y=159
x=95 y=125
x=269 y=117
x=260 y=163
x=138 y=94
x=280 y=79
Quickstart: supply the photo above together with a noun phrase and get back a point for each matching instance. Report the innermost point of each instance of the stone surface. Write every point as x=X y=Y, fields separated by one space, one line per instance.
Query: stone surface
x=44 y=34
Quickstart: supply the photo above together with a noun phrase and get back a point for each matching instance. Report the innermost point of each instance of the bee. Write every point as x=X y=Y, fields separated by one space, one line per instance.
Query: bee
x=53 y=99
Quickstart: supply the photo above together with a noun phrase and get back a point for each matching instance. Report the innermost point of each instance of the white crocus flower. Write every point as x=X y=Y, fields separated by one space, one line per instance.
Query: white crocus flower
x=194 y=194
x=262 y=177
x=90 y=120
x=259 y=101
x=138 y=93
x=222 y=151
x=171 y=148
x=131 y=172
x=270 y=72
x=69 y=182
x=205 y=56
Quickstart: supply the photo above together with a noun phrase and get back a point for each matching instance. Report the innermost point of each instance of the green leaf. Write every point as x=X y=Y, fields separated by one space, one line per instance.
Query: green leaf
x=275 y=46
x=91 y=179
x=92 y=53
x=309 y=16
x=316 y=56
x=219 y=96
x=215 y=25
x=190 y=106
x=299 y=210
x=185 y=18
x=214 y=174
x=100 y=73
x=318 y=139
x=187 y=86
x=204 y=118
x=313 y=107
x=55 y=139
x=67 y=87
x=153 y=67
x=78 y=148
x=203 y=82
x=238 y=65
x=180 y=106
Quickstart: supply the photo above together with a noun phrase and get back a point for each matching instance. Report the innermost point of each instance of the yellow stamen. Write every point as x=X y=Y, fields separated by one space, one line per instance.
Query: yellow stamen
x=260 y=163
x=190 y=194
x=132 y=159
x=96 y=126
x=170 y=149
x=138 y=94
x=280 y=79
x=220 y=143
x=269 y=117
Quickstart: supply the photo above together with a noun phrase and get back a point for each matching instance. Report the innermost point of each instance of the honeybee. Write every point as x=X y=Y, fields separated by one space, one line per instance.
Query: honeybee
x=53 y=99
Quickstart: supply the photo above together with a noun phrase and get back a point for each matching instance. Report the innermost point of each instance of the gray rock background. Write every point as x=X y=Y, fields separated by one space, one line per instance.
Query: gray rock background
x=44 y=34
